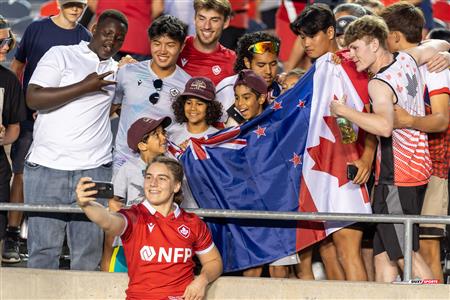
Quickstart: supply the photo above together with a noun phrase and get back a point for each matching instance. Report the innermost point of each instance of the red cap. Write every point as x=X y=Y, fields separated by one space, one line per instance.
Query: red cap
x=141 y=127
x=200 y=87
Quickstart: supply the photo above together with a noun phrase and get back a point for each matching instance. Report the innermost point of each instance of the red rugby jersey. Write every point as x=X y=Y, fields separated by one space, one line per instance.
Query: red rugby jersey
x=216 y=65
x=403 y=159
x=159 y=250
x=438 y=142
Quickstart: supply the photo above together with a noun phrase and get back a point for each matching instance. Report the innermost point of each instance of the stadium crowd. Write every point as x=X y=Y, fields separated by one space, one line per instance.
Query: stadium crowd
x=168 y=72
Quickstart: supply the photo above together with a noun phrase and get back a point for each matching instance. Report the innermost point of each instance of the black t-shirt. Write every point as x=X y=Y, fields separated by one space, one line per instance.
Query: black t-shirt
x=14 y=110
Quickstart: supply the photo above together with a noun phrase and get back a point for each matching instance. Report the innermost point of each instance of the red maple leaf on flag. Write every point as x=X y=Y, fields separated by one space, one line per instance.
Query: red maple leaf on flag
x=333 y=157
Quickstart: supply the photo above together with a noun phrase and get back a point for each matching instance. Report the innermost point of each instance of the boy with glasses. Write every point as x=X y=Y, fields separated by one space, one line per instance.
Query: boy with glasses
x=39 y=37
x=148 y=88
x=203 y=55
x=12 y=112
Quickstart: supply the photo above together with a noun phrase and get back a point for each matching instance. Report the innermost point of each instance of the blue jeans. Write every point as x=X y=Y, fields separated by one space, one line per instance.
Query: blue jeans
x=46 y=231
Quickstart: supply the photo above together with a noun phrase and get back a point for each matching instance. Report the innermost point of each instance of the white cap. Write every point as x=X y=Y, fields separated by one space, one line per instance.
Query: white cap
x=63 y=2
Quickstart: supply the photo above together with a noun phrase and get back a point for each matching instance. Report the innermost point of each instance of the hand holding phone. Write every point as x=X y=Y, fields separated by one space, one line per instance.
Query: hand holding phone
x=104 y=189
x=233 y=113
x=352 y=170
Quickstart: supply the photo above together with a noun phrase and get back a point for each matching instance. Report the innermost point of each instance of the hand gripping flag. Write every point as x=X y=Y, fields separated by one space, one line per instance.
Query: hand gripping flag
x=289 y=158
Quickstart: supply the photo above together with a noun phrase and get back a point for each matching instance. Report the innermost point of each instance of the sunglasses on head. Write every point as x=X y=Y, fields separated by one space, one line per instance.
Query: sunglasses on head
x=5 y=41
x=157 y=84
x=262 y=47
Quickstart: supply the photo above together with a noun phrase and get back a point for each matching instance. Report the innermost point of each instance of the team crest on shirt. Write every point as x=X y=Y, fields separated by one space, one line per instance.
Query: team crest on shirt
x=184 y=231
x=183 y=61
x=151 y=226
x=174 y=92
x=216 y=70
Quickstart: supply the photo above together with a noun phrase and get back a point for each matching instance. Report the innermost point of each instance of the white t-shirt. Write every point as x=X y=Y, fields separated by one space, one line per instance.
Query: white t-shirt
x=134 y=87
x=178 y=133
x=129 y=181
x=77 y=135
x=225 y=94
x=435 y=82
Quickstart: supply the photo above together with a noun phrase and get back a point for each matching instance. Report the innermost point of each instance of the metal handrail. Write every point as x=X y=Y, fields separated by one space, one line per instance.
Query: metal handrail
x=407 y=220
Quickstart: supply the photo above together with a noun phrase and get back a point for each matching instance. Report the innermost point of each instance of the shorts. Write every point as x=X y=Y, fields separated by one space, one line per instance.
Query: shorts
x=435 y=204
x=368 y=230
x=118 y=262
x=287 y=260
x=5 y=176
x=396 y=200
x=20 y=147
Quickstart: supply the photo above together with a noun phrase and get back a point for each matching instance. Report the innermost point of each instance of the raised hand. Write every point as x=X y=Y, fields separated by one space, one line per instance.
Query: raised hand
x=96 y=82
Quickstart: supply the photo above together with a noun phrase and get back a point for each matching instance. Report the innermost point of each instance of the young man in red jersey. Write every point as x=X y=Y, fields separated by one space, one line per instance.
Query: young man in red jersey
x=159 y=238
x=403 y=163
x=406 y=22
x=203 y=55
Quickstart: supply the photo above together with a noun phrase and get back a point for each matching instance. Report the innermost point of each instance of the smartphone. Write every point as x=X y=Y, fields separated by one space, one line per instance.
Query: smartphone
x=104 y=189
x=235 y=114
x=352 y=170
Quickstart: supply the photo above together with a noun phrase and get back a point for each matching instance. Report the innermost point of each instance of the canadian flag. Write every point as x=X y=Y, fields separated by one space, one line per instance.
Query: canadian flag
x=324 y=183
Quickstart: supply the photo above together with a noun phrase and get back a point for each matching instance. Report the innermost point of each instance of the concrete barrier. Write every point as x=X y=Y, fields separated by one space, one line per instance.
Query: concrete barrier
x=17 y=283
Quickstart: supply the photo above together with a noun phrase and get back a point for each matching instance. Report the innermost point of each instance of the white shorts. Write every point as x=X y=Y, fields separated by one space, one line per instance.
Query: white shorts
x=287 y=260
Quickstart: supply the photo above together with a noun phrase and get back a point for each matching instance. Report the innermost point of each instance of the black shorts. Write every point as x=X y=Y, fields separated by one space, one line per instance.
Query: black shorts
x=5 y=176
x=396 y=200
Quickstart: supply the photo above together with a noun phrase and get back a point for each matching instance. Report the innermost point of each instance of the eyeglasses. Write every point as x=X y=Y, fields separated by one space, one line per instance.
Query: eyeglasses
x=261 y=47
x=154 y=98
x=5 y=41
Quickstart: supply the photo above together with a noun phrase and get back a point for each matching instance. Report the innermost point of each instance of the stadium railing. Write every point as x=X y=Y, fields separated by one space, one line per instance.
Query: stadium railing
x=407 y=220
